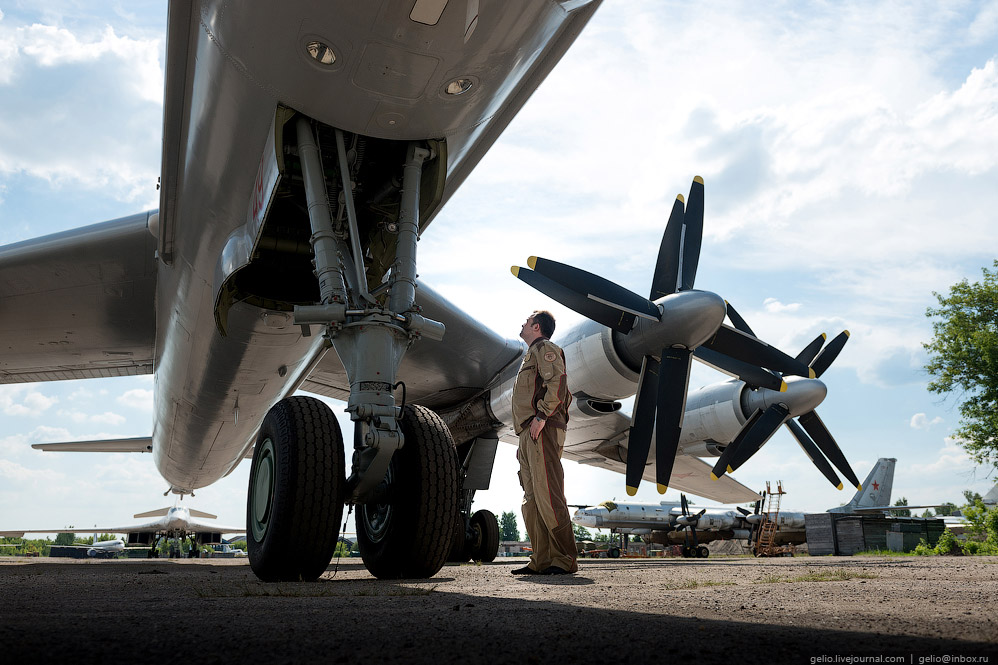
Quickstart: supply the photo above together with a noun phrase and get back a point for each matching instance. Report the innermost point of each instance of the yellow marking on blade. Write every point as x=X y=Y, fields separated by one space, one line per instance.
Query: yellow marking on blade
x=824 y=336
x=712 y=476
x=679 y=197
x=783 y=386
x=631 y=491
x=515 y=270
x=839 y=487
x=811 y=374
x=860 y=487
x=730 y=470
x=662 y=489
x=532 y=262
x=698 y=179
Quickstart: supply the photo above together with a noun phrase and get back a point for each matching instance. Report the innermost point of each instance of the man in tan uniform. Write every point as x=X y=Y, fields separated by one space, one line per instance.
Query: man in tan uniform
x=540 y=415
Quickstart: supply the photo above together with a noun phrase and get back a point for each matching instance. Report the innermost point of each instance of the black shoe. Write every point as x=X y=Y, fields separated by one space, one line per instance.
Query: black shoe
x=555 y=570
x=526 y=570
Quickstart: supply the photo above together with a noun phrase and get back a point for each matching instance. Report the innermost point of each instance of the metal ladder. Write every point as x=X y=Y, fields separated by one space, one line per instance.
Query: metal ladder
x=765 y=543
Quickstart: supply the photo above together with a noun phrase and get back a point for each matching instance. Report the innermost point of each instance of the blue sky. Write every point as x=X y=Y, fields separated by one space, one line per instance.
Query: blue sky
x=849 y=150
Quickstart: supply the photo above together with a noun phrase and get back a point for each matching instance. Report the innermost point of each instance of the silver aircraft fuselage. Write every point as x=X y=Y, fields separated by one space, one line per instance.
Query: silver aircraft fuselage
x=229 y=68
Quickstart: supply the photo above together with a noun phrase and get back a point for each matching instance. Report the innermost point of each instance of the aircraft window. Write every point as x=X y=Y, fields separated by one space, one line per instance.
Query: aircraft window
x=459 y=86
x=321 y=53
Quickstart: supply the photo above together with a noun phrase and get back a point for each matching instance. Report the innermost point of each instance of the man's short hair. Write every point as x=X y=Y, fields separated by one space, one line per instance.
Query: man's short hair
x=545 y=320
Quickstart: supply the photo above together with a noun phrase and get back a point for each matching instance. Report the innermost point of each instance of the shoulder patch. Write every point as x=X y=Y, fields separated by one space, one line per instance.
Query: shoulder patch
x=550 y=356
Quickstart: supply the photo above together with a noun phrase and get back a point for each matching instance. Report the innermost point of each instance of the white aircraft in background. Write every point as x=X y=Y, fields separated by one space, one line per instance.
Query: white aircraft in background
x=177 y=522
x=306 y=147
x=105 y=548
x=677 y=522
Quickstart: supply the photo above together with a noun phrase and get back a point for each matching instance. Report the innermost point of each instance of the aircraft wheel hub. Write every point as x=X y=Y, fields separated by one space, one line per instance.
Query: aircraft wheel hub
x=263 y=490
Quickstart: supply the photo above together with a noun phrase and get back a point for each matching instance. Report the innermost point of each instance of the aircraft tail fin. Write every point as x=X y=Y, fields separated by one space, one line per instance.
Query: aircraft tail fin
x=878 y=485
x=142 y=444
x=876 y=492
x=991 y=497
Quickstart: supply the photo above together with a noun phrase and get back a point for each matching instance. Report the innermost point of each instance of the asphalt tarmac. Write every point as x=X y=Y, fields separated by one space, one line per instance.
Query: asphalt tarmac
x=726 y=609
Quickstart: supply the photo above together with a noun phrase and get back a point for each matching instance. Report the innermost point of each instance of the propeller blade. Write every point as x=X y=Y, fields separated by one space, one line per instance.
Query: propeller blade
x=829 y=353
x=595 y=287
x=729 y=452
x=666 y=278
x=608 y=316
x=826 y=444
x=737 y=321
x=693 y=234
x=759 y=434
x=811 y=350
x=754 y=376
x=684 y=505
x=743 y=511
x=738 y=345
x=642 y=424
x=673 y=382
x=811 y=450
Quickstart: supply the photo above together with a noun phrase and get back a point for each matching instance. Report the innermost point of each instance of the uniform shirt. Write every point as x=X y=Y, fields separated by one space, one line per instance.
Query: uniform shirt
x=541 y=387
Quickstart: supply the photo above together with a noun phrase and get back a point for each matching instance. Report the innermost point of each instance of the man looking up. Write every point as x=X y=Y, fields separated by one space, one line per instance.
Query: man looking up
x=540 y=415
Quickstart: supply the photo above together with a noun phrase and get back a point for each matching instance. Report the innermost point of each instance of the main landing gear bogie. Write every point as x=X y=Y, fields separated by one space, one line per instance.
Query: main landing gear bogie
x=296 y=491
x=408 y=530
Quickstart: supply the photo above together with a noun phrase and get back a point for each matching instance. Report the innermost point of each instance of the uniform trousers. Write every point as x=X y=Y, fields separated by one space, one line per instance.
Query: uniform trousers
x=545 y=512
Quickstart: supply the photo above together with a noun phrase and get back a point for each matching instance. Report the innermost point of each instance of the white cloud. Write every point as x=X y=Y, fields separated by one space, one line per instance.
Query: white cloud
x=32 y=405
x=51 y=128
x=774 y=306
x=17 y=476
x=106 y=418
x=137 y=398
x=921 y=421
x=949 y=460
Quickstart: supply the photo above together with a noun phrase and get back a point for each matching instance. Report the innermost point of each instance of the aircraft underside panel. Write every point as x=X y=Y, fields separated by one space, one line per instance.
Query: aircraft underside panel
x=79 y=304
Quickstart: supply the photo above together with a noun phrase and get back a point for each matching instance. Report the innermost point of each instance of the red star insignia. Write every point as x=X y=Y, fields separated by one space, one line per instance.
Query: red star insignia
x=876 y=485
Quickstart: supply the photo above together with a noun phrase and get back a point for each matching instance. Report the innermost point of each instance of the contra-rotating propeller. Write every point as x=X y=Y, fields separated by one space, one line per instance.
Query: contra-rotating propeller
x=811 y=433
x=661 y=332
x=688 y=521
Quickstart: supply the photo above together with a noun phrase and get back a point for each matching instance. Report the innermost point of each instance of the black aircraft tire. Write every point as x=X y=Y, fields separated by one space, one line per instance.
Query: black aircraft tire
x=296 y=491
x=485 y=526
x=703 y=552
x=613 y=553
x=410 y=534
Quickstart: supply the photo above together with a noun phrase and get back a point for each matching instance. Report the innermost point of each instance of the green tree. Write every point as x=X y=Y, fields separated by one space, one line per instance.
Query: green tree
x=342 y=548
x=581 y=532
x=945 y=509
x=903 y=501
x=963 y=359
x=507 y=527
x=64 y=539
x=972 y=497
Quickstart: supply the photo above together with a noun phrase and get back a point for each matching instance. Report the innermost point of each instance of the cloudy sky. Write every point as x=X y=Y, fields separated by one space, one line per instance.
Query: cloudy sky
x=849 y=150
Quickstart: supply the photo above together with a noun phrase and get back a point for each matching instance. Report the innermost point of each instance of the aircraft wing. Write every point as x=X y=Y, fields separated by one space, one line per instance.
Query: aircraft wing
x=436 y=374
x=195 y=526
x=202 y=526
x=689 y=474
x=884 y=509
x=79 y=304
